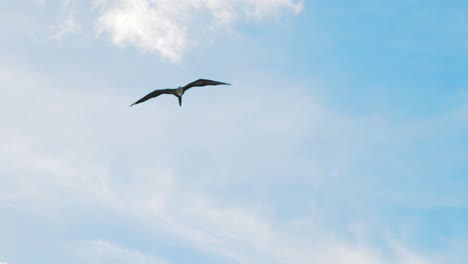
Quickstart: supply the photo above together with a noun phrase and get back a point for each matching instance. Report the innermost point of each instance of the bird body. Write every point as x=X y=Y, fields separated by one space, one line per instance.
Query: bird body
x=178 y=92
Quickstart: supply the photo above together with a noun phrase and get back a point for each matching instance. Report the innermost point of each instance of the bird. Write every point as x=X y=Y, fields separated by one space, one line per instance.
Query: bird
x=178 y=92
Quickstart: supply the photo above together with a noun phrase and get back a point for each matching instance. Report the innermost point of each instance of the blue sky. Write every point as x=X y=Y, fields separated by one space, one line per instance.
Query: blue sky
x=343 y=138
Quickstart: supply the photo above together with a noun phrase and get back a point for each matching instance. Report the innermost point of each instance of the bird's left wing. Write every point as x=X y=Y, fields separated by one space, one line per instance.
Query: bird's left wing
x=203 y=82
x=154 y=94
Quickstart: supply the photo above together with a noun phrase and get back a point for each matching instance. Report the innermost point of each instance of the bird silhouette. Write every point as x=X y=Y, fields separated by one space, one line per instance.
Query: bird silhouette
x=178 y=92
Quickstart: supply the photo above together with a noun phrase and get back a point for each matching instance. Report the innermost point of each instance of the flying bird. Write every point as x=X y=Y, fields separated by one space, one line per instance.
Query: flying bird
x=178 y=92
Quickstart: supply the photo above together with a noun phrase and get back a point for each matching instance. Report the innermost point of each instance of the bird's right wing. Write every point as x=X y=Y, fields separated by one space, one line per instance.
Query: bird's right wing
x=154 y=94
x=203 y=82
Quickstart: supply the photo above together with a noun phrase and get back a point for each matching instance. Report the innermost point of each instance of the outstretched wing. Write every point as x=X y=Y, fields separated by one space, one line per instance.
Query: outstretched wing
x=203 y=82
x=154 y=94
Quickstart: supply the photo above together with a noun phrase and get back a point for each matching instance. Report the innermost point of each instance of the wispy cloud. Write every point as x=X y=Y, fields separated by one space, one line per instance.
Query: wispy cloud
x=258 y=172
x=102 y=252
x=67 y=21
x=170 y=27
x=52 y=173
x=163 y=27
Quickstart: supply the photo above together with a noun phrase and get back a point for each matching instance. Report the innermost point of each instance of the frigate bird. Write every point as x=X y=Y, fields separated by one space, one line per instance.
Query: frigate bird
x=178 y=92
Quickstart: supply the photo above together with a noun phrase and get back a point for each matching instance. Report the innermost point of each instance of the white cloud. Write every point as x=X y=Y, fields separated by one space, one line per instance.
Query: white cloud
x=165 y=27
x=169 y=27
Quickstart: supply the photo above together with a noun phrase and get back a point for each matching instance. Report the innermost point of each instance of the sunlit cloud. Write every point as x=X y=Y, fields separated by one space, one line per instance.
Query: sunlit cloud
x=170 y=27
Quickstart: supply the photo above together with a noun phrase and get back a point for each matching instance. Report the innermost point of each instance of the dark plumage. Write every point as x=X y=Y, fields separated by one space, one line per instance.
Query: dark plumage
x=178 y=92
